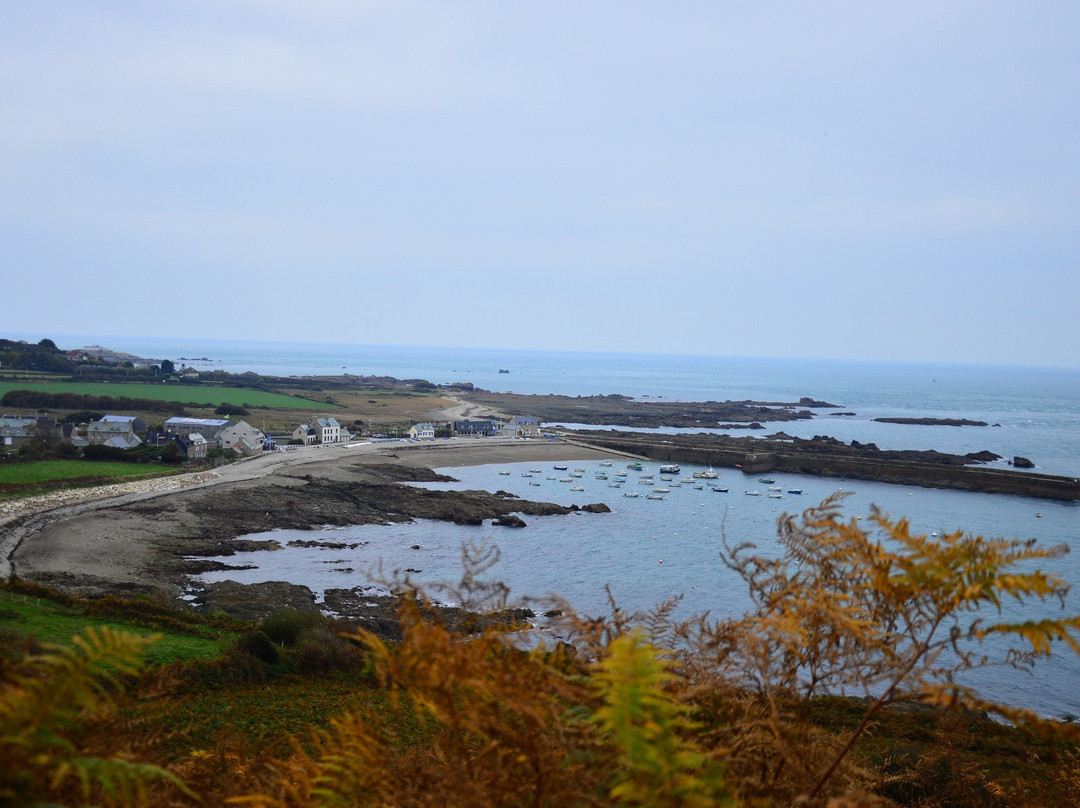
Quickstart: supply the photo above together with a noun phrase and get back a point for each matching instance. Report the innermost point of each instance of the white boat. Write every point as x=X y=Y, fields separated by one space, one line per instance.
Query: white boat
x=614 y=485
x=505 y=473
x=566 y=479
x=559 y=467
x=646 y=481
x=669 y=468
x=601 y=476
x=710 y=473
x=687 y=480
x=631 y=494
x=776 y=496
x=525 y=474
x=766 y=480
x=577 y=488
x=661 y=490
x=775 y=488
x=753 y=493
x=536 y=471
x=720 y=490
x=666 y=479
x=533 y=482
x=576 y=474
x=605 y=463
x=654 y=496
x=580 y=470
x=621 y=473
x=674 y=485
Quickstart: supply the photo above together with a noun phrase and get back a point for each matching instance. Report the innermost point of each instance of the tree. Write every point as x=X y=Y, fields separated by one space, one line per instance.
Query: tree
x=879 y=613
x=167 y=366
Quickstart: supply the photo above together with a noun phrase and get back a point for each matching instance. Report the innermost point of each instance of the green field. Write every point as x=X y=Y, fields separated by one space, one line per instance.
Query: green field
x=184 y=393
x=43 y=471
x=49 y=621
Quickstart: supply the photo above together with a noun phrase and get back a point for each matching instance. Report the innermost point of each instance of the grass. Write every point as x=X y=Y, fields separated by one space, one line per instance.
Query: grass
x=183 y=393
x=49 y=621
x=48 y=471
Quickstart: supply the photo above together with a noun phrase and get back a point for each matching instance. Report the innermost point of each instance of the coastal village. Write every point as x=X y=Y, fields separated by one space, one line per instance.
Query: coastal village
x=196 y=438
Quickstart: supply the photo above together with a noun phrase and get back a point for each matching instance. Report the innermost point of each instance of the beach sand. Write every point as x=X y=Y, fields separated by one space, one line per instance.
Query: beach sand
x=99 y=538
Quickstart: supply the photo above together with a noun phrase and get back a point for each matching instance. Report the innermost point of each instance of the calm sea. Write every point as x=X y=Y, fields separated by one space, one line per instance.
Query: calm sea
x=648 y=550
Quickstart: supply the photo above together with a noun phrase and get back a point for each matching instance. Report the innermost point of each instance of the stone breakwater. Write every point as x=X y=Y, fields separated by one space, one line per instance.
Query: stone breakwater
x=27 y=506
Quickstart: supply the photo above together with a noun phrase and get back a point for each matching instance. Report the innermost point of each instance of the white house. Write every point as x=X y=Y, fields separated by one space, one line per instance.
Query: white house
x=421 y=431
x=242 y=438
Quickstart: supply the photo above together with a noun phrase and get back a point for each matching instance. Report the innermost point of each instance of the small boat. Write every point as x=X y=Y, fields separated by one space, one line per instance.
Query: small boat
x=536 y=471
x=577 y=488
x=635 y=466
x=720 y=490
x=669 y=468
x=766 y=480
x=601 y=476
x=576 y=474
x=645 y=481
x=776 y=496
x=687 y=480
x=654 y=496
x=674 y=485
x=661 y=490
x=605 y=463
x=753 y=493
x=710 y=473
x=566 y=479
x=505 y=473
x=533 y=482
x=560 y=468
x=666 y=479
x=631 y=494
x=580 y=470
x=775 y=488
x=552 y=477
x=700 y=487
x=614 y=485
x=621 y=473
x=525 y=474
x=794 y=490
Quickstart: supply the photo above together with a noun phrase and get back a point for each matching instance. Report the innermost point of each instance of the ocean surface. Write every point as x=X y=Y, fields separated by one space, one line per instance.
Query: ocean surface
x=649 y=550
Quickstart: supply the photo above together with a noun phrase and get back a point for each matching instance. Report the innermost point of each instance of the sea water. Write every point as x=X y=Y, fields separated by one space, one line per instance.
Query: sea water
x=1032 y=412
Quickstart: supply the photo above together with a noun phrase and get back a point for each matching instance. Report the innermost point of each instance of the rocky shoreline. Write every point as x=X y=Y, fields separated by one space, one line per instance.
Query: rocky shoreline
x=153 y=544
x=828 y=457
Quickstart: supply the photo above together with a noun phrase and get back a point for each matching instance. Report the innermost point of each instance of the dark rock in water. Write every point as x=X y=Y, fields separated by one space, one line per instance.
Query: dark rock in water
x=983 y=456
x=596 y=507
x=1022 y=463
x=414 y=547
x=868 y=447
x=255 y=601
x=509 y=520
x=932 y=421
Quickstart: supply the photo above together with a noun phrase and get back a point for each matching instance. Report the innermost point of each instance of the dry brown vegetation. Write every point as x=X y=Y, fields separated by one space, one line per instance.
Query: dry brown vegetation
x=637 y=709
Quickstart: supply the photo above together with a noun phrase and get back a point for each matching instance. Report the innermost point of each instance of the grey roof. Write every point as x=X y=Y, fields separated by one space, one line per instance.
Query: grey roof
x=523 y=420
x=327 y=422
x=178 y=421
x=118 y=419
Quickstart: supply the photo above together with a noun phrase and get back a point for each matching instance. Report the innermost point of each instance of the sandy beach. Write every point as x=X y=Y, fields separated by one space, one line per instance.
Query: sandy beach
x=134 y=536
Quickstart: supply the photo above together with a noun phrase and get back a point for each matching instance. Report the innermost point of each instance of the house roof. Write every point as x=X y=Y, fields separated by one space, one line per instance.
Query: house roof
x=179 y=421
x=118 y=419
x=523 y=420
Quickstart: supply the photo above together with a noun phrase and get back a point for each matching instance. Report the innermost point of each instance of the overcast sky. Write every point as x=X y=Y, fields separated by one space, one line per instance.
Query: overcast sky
x=829 y=179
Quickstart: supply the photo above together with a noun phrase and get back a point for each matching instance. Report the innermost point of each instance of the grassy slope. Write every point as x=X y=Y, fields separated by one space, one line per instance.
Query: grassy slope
x=183 y=393
x=48 y=621
x=40 y=471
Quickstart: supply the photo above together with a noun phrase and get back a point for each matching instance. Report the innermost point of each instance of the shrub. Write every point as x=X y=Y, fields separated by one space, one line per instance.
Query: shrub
x=320 y=650
x=258 y=645
x=283 y=627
